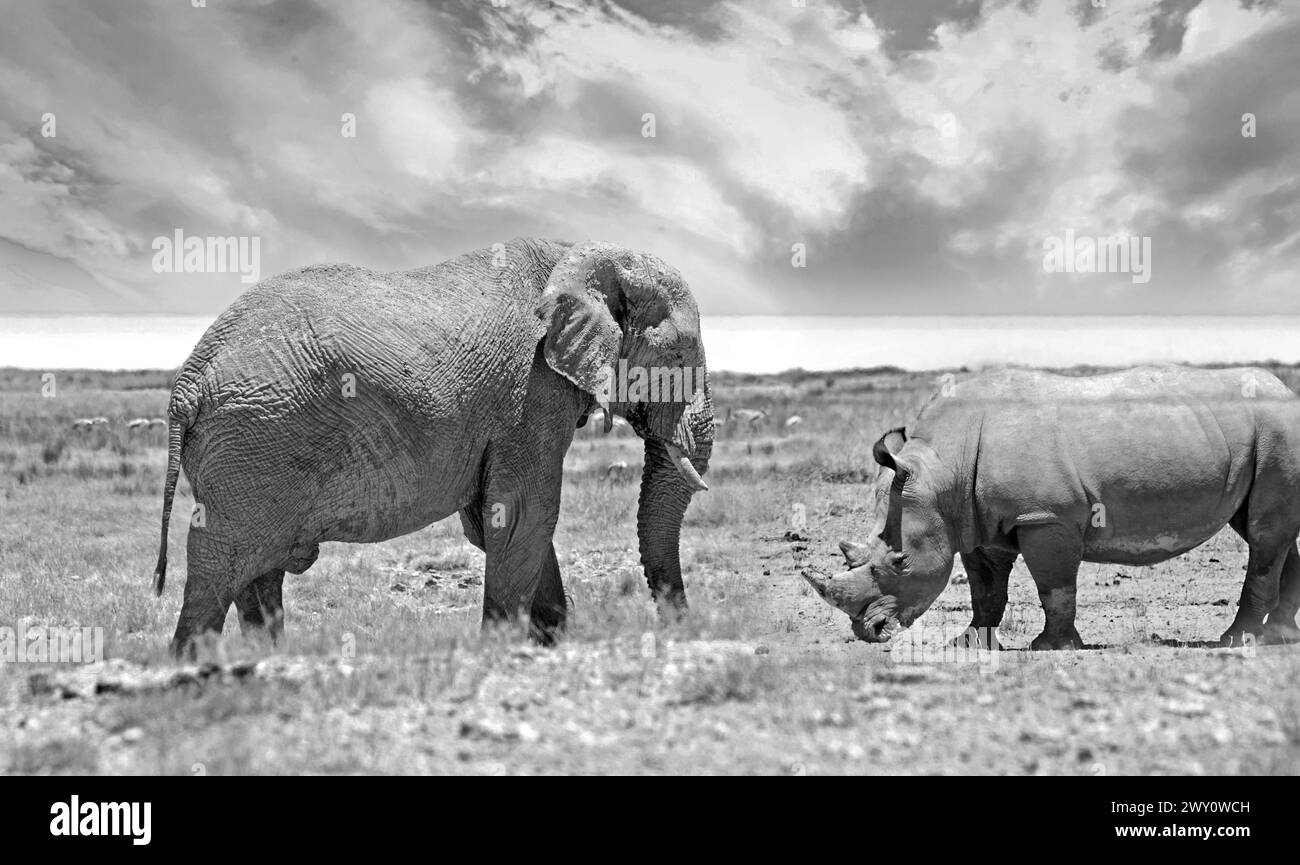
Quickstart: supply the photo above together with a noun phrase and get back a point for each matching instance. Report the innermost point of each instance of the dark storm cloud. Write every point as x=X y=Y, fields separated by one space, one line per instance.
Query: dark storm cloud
x=909 y=25
x=1168 y=25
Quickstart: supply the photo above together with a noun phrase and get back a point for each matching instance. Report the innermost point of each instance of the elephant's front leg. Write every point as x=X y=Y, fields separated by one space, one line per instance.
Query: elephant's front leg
x=550 y=609
x=521 y=503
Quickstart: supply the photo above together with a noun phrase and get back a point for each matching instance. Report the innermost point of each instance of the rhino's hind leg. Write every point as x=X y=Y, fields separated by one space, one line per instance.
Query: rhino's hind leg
x=987 y=572
x=261 y=605
x=1281 y=626
x=1052 y=554
x=1260 y=593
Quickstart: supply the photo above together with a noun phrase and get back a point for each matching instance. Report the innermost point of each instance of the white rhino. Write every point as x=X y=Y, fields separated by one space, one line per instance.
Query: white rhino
x=1130 y=468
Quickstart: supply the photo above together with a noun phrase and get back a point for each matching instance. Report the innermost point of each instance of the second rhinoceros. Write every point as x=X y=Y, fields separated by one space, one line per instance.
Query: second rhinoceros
x=1131 y=468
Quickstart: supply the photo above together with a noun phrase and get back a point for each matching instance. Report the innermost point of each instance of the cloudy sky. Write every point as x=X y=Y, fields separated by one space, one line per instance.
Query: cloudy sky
x=922 y=151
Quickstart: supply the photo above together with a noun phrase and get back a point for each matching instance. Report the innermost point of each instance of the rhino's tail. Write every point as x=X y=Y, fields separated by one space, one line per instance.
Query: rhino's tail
x=177 y=425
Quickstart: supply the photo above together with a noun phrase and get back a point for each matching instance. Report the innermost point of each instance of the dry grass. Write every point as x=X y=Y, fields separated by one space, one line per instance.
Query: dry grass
x=385 y=669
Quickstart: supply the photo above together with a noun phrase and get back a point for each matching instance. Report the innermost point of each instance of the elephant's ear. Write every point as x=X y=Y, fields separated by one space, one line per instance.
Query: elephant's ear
x=580 y=309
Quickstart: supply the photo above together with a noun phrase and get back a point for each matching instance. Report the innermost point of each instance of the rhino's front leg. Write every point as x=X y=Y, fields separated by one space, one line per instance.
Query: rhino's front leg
x=1052 y=553
x=987 y=571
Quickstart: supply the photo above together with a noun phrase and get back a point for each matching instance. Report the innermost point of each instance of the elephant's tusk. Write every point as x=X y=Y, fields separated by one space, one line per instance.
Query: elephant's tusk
x=684 y=467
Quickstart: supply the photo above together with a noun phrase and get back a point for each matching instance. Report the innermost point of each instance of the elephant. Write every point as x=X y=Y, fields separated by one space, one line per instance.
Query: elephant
x=336 y=403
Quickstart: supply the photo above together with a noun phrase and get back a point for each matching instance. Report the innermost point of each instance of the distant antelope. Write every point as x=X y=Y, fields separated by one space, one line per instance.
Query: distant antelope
x=752 y=418
x=86 y=424
x=140 y=423
x=793 y=421
x=618 y=471
x=158 y=422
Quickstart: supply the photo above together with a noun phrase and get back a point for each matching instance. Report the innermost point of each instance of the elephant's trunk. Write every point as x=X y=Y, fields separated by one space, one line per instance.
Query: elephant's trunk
x=666 y=488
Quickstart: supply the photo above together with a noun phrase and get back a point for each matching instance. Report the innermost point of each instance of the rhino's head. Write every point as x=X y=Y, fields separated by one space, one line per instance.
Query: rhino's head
x=896 y=576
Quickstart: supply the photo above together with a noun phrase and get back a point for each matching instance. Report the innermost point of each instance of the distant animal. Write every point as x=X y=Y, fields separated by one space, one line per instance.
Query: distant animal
x=751 y=418
x=159 y=422
x=793 y=421
x=86 y=424
x=1128 y=468
x=618 y=471
x=599 y=420
x=336 y=403
x=140 y=423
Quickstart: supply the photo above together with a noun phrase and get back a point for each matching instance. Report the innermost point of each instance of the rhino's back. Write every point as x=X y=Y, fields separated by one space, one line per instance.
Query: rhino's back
x=1150 y=462
x=1156 y=382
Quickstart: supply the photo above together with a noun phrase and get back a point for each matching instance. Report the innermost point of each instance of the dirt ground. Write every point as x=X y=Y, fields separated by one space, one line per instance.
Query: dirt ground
x=384 y=668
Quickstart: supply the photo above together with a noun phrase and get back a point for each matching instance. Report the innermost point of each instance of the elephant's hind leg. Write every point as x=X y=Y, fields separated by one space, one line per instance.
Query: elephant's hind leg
x=219 y=565
x=203 y=610
x=261 y=605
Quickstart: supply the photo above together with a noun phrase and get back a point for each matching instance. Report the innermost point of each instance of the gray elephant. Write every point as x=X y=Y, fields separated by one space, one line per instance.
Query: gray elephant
x=335 y=403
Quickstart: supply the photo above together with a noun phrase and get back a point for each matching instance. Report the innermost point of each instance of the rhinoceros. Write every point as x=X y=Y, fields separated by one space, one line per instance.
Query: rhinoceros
x=1130 y=468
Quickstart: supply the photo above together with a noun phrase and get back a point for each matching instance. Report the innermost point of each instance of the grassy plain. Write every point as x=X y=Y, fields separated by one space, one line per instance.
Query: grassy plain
x=384 y=669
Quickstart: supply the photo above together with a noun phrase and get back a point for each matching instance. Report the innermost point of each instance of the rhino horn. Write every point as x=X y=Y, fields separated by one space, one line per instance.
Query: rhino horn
x=854 y=554
x=847 y=591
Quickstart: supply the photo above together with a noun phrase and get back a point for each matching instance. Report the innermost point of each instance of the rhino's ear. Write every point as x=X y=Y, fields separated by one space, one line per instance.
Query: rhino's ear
x=887 y=446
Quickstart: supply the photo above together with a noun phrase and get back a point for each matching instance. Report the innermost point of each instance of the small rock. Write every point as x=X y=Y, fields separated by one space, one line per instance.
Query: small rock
x=1186 y=708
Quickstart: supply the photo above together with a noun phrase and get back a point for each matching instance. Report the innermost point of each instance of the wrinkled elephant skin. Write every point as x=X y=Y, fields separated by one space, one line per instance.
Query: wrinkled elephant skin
x=335 y=403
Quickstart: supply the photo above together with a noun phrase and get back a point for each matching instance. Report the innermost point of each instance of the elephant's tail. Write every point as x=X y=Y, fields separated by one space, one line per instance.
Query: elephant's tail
x=176 y=428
